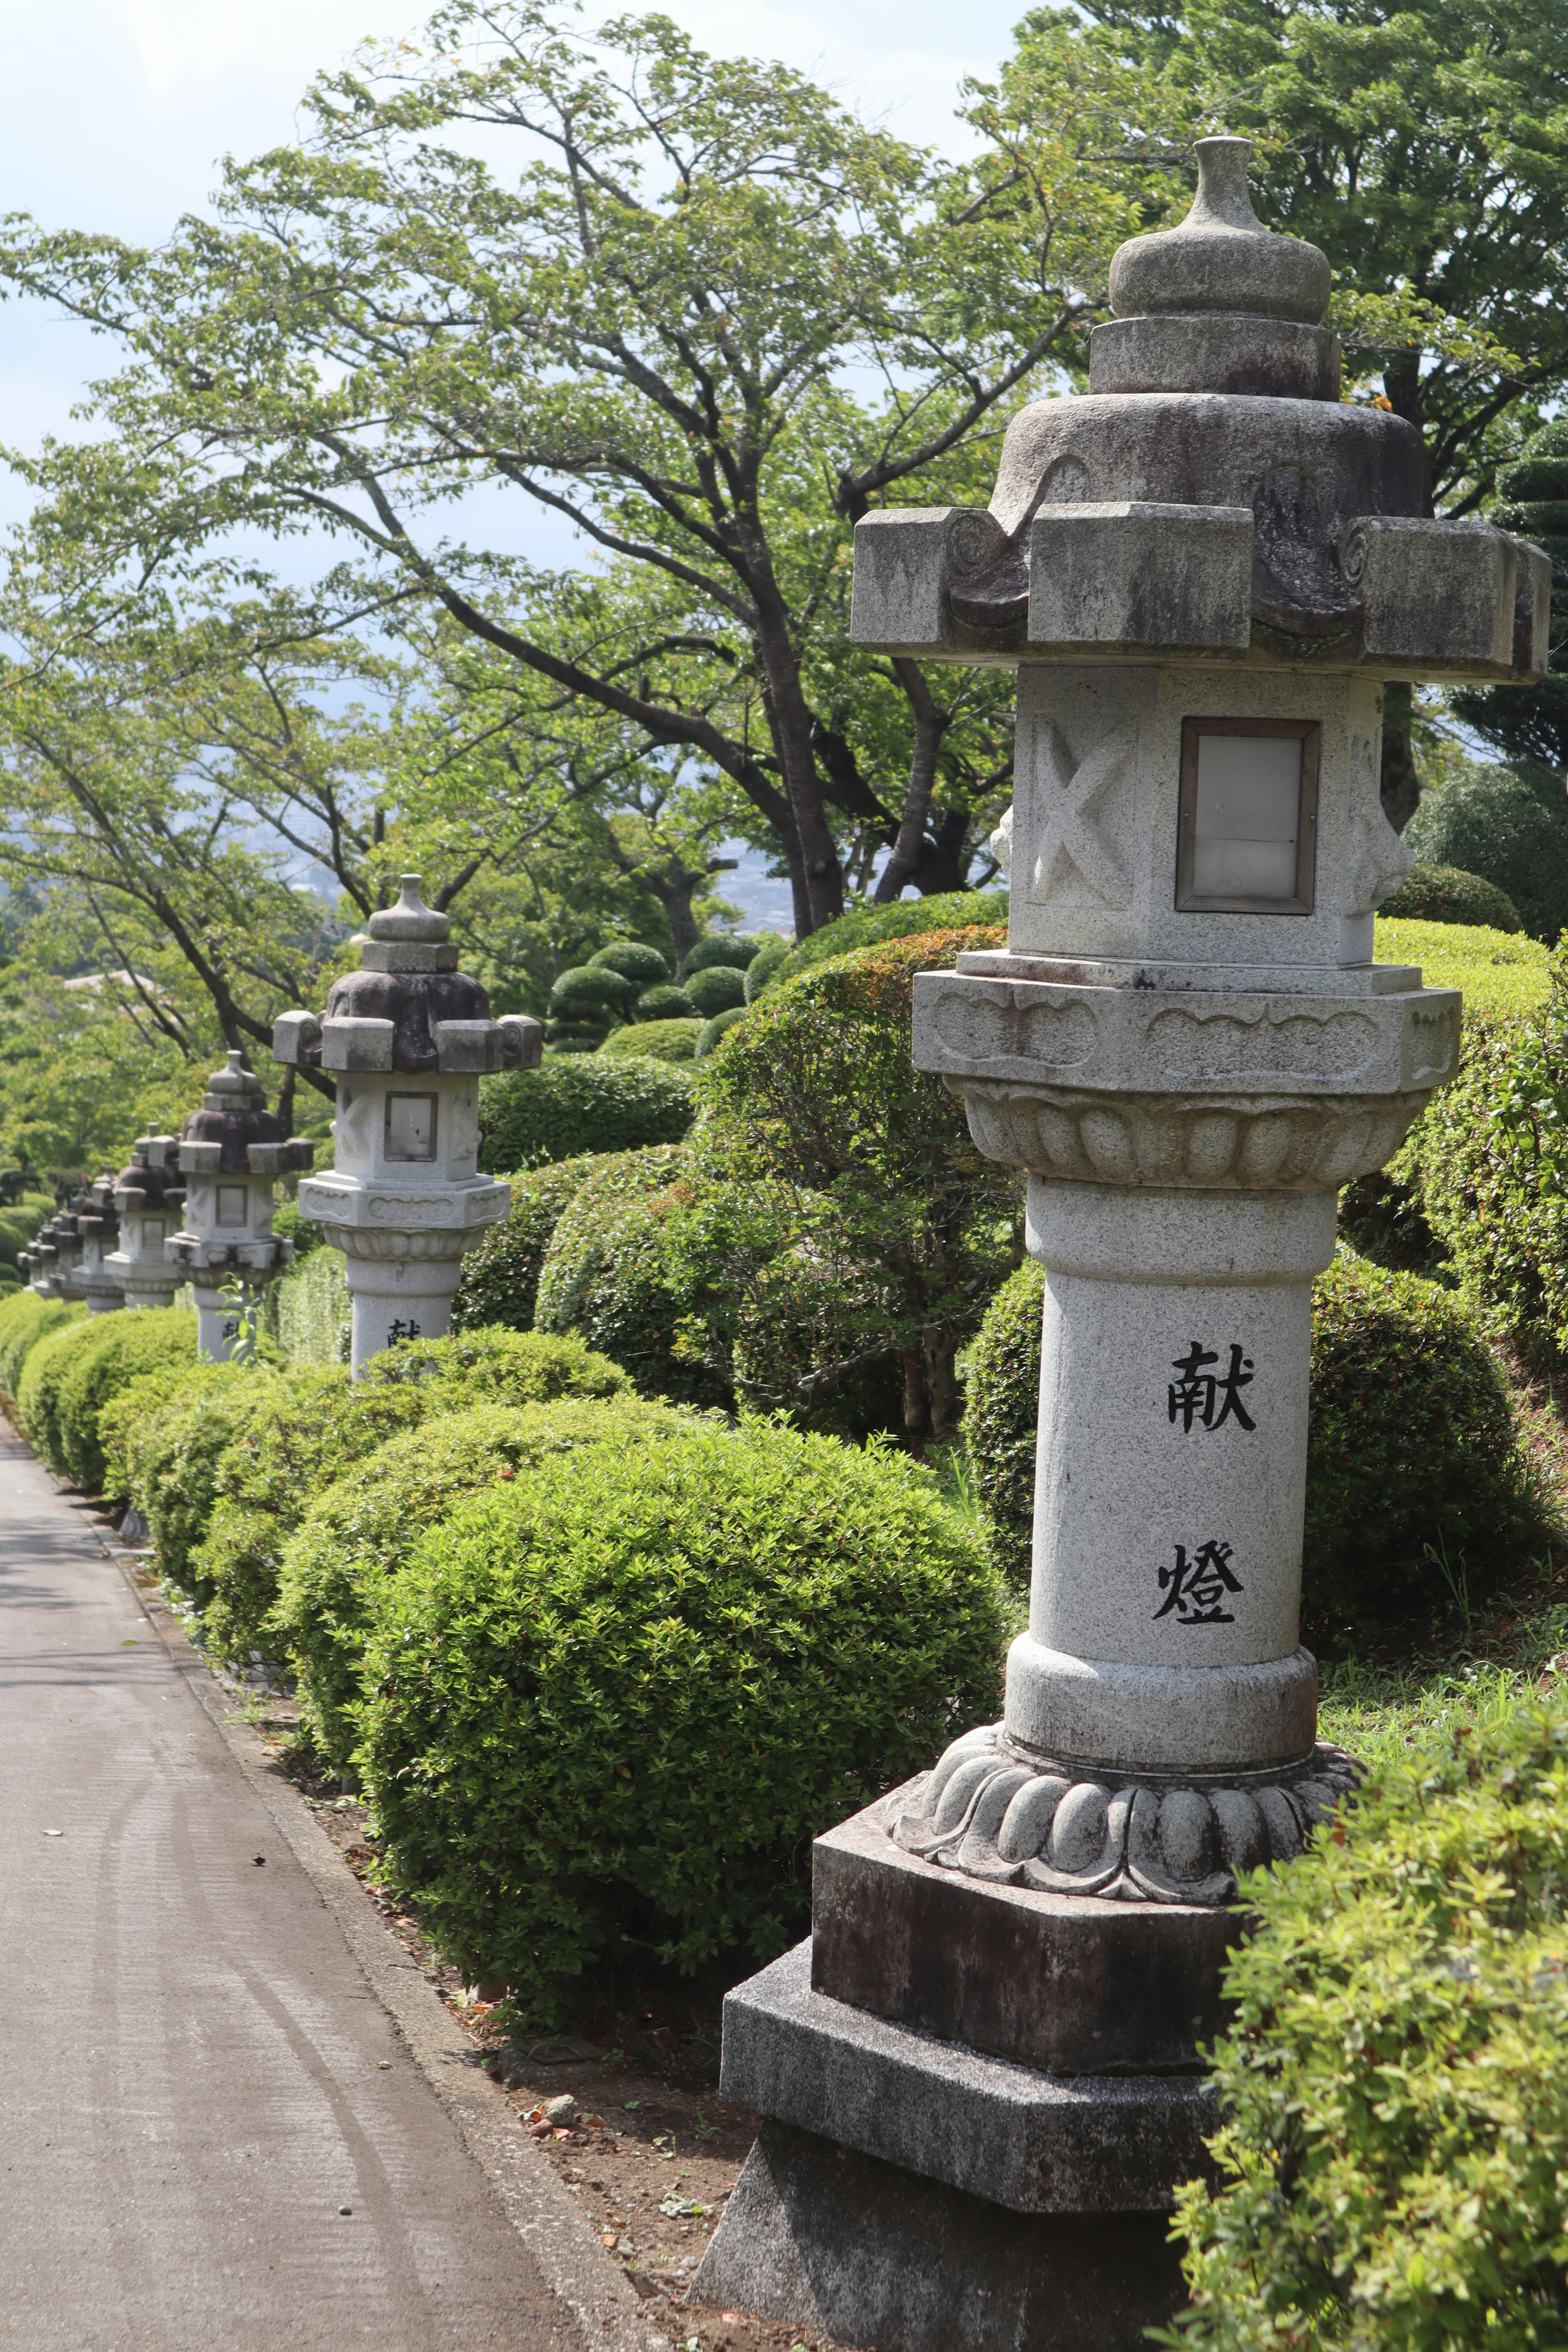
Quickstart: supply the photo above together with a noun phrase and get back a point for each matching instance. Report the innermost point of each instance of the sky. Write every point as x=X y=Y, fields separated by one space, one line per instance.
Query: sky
x=115 y=115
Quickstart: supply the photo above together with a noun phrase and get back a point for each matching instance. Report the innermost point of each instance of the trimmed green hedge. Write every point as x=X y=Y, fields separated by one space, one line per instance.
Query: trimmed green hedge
x=500 y=1279
x=654 y=1040
x=88 y=1365
x=1446 y=894
x=43 y=1370
x=1395 y=2083
x=575 y=1104
x=864 y=926
x=620 y=1699
x=24 y=1319
x=164 y=1438
x=311 y=1426
x=362 y=1529
x=1415 y=1480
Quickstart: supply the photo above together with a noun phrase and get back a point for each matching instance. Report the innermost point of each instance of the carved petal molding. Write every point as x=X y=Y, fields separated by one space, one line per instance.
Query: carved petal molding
x=992 y=1813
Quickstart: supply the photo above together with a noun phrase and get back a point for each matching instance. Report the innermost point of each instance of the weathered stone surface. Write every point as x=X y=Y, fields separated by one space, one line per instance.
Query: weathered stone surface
x=1129 y=575
x=1031 y=2141
x=1441 y=593
x=905 y=561
x=1221 y=257
x=1072 y=1985
x=842 y=2246
x=1270 y=359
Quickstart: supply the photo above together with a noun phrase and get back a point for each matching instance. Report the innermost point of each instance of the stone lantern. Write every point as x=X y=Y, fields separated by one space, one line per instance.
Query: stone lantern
x=149 y=1197
x=983 y=2075
x=406 y=1037
x=231 y=1152
x=53 y=1255
x=98 y=1230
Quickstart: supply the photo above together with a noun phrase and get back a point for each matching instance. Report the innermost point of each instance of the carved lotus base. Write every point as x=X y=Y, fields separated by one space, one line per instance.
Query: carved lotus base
x=1274 y=1142
x=377 y=1241
x=994 y=1811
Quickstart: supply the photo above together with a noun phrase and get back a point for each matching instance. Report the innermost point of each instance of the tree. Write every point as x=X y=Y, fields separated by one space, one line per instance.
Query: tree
x=649 y=329
x=1424 y=146
x=1530 y=723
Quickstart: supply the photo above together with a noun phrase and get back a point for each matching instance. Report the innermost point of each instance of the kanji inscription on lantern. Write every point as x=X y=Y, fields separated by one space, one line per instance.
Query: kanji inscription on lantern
x=400 y=1330
x=1195 y=1590
x=1206 y=1396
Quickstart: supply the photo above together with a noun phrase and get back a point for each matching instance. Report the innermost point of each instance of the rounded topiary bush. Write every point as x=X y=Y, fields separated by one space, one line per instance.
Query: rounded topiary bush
x=1396 y=2081
x=363 y=1529
x=720 y=1026
x=722 y=951
x=665 y=1002
x=657 y=1041
x=163 y=1436
x=38 y=1390
x=24 y=1320
x=718 y=988
x=567 y=1108
x=311 y=1426
x=594 y=986
x=763 y=966
x=1416 y=1487
x=500 y=1277
x=620 y=1696
x=1493 y=822
x=1443 y=894
x=105 y=1355
x=864 y=926
x=633 y=961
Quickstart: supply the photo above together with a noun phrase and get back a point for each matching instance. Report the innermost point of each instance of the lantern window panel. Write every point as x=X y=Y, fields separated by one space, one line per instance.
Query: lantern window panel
x=1246 y=836
x=410 y=1127
x=233 y=1205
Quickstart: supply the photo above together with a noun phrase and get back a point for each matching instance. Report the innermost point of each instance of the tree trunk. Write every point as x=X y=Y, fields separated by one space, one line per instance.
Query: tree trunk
x=1400 y=783
x=813 y=853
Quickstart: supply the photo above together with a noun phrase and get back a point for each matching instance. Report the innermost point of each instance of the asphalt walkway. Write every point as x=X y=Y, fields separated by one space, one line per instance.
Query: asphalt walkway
x=213 y=2137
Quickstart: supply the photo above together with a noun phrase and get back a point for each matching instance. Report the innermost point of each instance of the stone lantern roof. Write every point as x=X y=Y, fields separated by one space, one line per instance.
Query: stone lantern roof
x=98 y=1217
x=1211 y=498
x=234 y=1133
x=151 y=1179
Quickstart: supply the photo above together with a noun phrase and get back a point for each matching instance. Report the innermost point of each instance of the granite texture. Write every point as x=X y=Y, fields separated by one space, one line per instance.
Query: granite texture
x=1029 y=2141
x=1271 y=359
x=842 y=2246
x=1119 y=577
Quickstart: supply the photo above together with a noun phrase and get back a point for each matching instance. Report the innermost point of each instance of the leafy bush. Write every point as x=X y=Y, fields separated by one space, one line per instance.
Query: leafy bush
x=1415 y=1481
x=633 y=961
x=718 y=988
x=20 y=1220
x=306 y=1235
x=24 y=1319
x=96 y=1360
x=1395 y=2083
x=1495 y=822
x=864 y=927
x=599 y=987
x=815 y=1094
x=661 y=1041
x=163 y=1437
x=311 y=1426
x=621 y=1697
x=364 y=1528
x=1499 y=973
x=665 y=1002
x=500 y=1277
x=567 y=1108
x=310 y=1312
x=720 y=1026
x=722 y=951
x=763 y=966
x=1443 y=894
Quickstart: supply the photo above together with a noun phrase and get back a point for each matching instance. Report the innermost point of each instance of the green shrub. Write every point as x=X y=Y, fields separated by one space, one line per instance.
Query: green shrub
x=1497 y=972
x=567 y=1108
x=720 y=1026
x=621 y=1697
x=314 y=1425
x=289 y=1225
x=308 y=1312
x=633 y=961
x=163 y=1437
x=1395 y=2083
x=722 y=951
x=1443 y=894
x=24 y=1320
x=20 y=1220
x=597 y=987
x=364 y=1528
x=1495 y=822
x=665 y=1002
x=102 y=1356
x=1416 y=1486
x=38 y=1390
x=661 y=1041
x=815 y=1093
x=718 y=988
x=500 y=1277
x=764 y=964
x=864 y=926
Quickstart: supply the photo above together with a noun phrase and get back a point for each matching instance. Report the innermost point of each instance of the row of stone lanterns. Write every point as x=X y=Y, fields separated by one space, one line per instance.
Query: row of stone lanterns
x=407 y=1038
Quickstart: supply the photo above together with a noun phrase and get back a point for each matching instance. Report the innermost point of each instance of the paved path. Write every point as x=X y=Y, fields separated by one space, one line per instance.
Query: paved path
x=195 y=2078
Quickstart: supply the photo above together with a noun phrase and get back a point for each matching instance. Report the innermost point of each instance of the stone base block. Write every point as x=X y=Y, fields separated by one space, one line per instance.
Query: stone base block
x=841 y=2245
x=1034 y=2143
x=1072 y=1984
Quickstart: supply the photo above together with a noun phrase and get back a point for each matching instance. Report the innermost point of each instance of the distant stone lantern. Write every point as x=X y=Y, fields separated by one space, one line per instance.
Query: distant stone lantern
x=149 y=1197
x=407 y=1038
x=1203 y=571
x=231 y=1152
x=98 y=1230
x=53 y=1255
